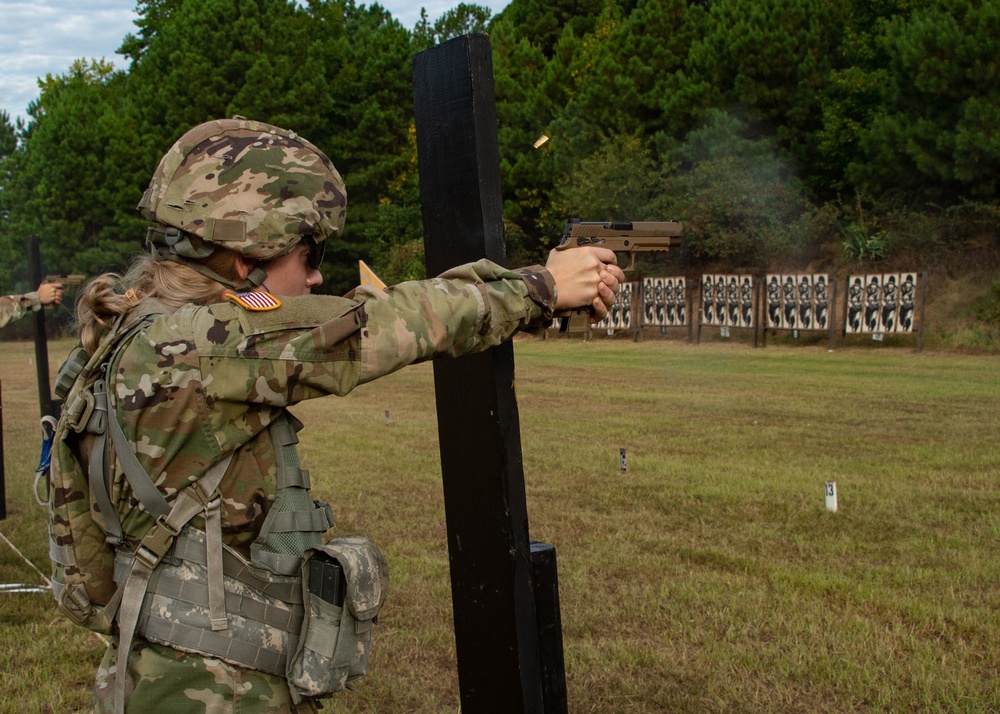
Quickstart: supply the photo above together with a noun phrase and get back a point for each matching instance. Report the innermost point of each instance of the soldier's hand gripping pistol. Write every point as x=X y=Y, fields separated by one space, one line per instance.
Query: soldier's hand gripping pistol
x=630 y=238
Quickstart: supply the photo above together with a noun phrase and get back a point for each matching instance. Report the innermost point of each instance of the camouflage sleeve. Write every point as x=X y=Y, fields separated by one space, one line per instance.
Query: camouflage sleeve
x=464 y=310
x=316 y=345
x=13 y=307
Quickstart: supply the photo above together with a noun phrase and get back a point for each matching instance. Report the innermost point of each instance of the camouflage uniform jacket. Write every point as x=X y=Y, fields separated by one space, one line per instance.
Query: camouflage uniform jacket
x=197 y=384
x=13 y=307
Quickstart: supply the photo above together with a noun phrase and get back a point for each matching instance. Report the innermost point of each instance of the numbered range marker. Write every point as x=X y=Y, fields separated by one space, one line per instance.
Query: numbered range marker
x=831 y=496
x=624 y=463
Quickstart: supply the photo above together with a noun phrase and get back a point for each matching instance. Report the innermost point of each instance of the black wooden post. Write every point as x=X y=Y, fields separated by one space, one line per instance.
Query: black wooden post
x=3 y=471
x=755 y=311
x=832 y=307
x=543 y=573
x=45 y=405
x=922 y=280
x=497 y=636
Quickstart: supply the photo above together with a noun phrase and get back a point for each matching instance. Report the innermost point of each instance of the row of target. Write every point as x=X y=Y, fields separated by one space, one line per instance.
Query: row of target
x=875 y=303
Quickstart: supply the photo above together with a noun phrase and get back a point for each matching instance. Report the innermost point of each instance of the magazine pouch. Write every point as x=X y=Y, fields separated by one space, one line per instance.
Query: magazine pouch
x=344 y=583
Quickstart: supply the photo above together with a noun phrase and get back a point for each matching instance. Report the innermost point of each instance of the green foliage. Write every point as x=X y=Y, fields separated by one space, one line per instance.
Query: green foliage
x=335 y=72
x=366 y=129
x=398 y=232
x=70 y=185
x=853 y=96
x=198 y=61
x=8 y=135
x=936 y=132
x=628 y=77
x=543 y=22
x=770 y=60
x=747 y=121
x=861 y=245
x=864 y=238
x=987 y=308
x=8 y=145
x=528 y=93
x=736 y=196
x=463 y=19
x=618 y=182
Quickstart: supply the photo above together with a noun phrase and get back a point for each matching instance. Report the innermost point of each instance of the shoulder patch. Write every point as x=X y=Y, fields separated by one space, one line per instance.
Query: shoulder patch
x=255 y=301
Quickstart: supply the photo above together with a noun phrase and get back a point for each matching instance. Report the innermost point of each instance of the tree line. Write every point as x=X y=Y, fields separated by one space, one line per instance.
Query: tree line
x=773 y=129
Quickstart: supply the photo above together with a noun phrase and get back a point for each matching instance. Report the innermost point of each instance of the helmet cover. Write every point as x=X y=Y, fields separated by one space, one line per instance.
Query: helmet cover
x=251 y=187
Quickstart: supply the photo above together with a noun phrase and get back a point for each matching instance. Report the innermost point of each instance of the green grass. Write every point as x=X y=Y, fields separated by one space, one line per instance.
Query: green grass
x=708 y=578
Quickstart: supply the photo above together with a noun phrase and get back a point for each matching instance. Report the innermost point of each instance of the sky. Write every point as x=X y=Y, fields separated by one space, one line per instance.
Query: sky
x=42 y=37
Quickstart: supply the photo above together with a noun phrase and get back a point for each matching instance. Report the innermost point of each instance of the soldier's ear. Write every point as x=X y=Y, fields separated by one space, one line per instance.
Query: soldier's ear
x=244 y=266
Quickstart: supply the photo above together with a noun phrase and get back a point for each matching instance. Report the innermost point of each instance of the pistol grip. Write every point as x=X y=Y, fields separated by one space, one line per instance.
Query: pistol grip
x=574 y=321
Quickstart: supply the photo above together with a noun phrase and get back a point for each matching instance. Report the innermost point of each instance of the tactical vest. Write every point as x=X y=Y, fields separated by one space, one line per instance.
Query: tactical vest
x=181 y=586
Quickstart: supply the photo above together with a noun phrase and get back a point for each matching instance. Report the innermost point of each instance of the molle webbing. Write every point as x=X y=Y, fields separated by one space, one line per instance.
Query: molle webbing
x=294 y=522
x=265 y=611
x=202 y=496
x=190 y=547
x=83 y=414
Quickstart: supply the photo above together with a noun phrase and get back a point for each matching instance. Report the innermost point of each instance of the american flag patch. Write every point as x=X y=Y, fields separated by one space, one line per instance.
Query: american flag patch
x=255 y=301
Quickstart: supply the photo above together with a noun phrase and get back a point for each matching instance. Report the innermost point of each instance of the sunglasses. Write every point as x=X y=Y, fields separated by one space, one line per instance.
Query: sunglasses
x=316 y=251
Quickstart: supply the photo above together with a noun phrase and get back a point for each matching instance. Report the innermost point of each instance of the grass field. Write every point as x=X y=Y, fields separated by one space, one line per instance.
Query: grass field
x=708 y=578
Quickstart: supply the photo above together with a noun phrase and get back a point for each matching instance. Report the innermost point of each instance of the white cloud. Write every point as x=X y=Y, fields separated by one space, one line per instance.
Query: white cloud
x=46 y=36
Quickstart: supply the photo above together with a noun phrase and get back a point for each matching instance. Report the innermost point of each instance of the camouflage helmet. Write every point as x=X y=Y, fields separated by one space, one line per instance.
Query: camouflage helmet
x=251 y=187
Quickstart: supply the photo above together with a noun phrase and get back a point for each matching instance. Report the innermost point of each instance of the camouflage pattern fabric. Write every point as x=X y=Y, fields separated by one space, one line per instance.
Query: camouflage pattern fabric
x=13 y=307
x=334 y=649
x=171 y=681
x=201 y=382
x=205 y=381
x=248 y=186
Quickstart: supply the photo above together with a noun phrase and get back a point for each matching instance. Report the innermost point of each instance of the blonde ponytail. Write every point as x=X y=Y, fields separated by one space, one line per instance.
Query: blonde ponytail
x=110 y=295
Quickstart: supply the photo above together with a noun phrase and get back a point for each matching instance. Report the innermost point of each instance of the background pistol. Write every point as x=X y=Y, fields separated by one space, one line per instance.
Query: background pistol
x=66 y=279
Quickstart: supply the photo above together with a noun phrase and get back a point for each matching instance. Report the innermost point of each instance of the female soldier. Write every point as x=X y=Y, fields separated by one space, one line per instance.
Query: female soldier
x=197 y=351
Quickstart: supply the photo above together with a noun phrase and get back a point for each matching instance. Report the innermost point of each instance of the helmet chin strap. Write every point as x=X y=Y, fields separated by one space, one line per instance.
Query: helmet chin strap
x=255 y=278
x=176 y=246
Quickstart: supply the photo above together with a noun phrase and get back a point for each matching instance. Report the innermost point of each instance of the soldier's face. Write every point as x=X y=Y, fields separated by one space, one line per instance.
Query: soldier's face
x=291 y=274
